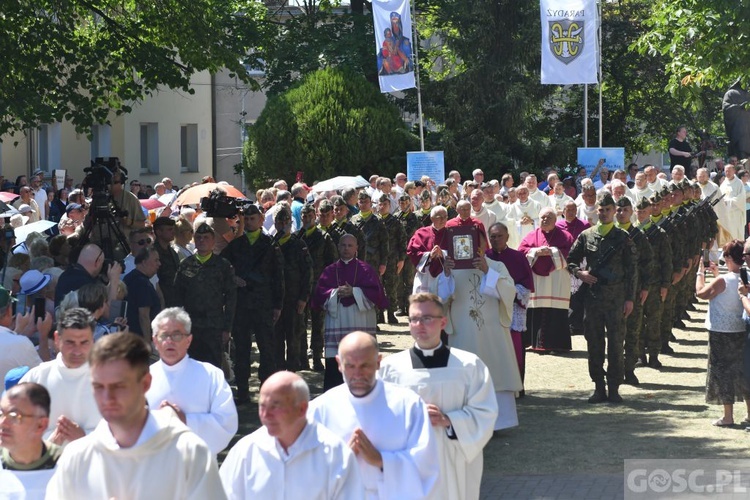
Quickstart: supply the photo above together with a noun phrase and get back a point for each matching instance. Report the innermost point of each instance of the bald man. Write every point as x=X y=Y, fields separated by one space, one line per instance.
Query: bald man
x=314 y=463
x=87 y=269
x=386 y=426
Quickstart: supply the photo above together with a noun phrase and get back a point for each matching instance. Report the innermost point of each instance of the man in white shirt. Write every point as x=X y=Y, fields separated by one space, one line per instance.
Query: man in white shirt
x=387 y=427
x=196 y=391
x=39 y=194
x=24 y=414
x=15 y=350
x=458 y=390
x=73 y=412
x=290 y=456
x=133 y=452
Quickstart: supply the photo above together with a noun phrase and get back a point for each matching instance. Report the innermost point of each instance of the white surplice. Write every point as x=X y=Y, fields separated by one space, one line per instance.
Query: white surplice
x=519 y=210
x=395 y=421
x=487 y=217
x=734 y=207
x=463 y=391
x=70 y=392
x=480 y=323
x=317 y=466
x=201 y=392
x=503 y=213
x=540 y=197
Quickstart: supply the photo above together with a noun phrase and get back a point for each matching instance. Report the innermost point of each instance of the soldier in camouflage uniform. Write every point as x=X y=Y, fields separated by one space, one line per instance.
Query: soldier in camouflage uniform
x=341 y=225
x=659 y=282
x=396 y=255
x=678 y=234
x=610 y=277
x=425 y=206
x=376 y=236
x=259 y=275
x=204 y=286
x=409 y=222
x=645 y=270
x=297 y=287
x=323 y=253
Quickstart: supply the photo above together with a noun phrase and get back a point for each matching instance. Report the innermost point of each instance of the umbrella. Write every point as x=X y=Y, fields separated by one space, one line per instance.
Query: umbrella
x=340 y=182
x=151 y=204
x=7 y=210
x=39 y=226
x=193 y=195
x=7 y=197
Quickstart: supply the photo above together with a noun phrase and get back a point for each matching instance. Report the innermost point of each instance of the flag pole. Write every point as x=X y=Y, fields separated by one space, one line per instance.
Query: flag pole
x=416 y=74
x=601 y=77
x=585 y=115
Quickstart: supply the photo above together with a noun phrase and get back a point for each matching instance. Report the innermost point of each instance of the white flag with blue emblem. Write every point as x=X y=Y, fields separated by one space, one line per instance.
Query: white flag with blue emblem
x=569 y=41
x=393 y=44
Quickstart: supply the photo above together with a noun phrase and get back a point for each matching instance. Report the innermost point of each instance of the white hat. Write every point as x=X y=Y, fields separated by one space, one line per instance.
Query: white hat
x=18 y=220
x=33 y=281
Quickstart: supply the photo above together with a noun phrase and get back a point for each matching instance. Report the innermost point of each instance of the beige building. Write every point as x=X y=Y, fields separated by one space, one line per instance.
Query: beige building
x=167 y=135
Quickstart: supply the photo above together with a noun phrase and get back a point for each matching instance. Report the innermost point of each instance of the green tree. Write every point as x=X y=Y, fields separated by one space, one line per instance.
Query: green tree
x=79 y=60
x=333 y=123
x=701 y=42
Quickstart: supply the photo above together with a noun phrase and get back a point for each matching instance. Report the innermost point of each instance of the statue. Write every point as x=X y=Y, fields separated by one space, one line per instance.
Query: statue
x=737 y=120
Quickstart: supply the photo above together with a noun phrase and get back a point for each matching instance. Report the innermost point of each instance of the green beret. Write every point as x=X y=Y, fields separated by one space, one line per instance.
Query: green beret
x=605 y=199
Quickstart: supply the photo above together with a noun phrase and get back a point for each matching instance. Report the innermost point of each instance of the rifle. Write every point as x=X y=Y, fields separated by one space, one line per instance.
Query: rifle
x=606 y=256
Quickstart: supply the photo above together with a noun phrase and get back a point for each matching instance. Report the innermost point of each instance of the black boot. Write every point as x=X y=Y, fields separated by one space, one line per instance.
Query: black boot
x=599 y=395
x=392 y=319
x=666 y=349
x=641 y=361
x=614 y=395
x=653 y=361
x=630 y=378
x=678 y=323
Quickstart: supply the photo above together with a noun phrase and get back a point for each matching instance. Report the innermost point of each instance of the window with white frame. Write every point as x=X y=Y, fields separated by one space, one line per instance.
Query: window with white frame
x=149 y=148
x=189 y=147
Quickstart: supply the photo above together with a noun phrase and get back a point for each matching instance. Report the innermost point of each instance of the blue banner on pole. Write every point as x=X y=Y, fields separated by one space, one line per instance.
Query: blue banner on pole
x=614 y=158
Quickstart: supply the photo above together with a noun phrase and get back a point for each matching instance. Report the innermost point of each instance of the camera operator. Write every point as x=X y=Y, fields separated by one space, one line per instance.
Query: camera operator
x=126 y=202
x=88 y=269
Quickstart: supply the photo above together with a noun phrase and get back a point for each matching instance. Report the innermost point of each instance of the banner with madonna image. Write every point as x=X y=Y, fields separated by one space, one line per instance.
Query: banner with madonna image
x=393 y=44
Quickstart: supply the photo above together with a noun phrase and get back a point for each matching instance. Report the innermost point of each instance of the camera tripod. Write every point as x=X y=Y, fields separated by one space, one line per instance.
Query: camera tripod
x=101 y=227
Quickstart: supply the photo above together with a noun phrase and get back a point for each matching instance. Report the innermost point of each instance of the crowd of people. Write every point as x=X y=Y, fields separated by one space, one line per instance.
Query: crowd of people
x=161 y=335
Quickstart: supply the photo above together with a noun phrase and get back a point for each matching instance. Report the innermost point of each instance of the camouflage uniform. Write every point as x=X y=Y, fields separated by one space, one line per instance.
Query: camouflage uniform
x=406 y=279
x=633 y=323
x=261 y=266
x=650 y=338
x=208 y=293
x=397 y=252
x=377 y=246
x=297 y=287
x=338 y=229
x=167 y=272
x=678 y=240
x=603 y=302
x=323 y=253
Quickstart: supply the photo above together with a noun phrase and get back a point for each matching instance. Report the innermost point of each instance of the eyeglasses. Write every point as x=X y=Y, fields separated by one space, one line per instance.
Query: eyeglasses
x=174 y=337
x=425 y=320
x=15 y=417
x=145 y=241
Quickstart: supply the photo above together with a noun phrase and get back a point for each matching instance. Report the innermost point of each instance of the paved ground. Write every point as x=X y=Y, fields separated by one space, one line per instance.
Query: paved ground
x=549 y=486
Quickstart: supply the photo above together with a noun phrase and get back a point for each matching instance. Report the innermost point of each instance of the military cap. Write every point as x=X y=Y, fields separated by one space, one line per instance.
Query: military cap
x=664 y=192
x=674 y=187
x=363 y=195
x=204 y=228
x=656 y=198
x=444 y=192
x=252 y=209
x=404 y=197
x=643 y=204
x=307 y=208
x=384 y=199
x=338 y=201
x=605 y=199
x=163 y=221
x=624 y=201
x=425 y=195
x=325 y=205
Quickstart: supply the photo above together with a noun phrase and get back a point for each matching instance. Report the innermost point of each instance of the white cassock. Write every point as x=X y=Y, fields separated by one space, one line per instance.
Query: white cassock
x=588 y=213
x=70 y=393
x=317 y=466
x=642 y=193
x=540 y=197
x=27 y=484
x=487 y=217
x=502 y=213
x=201 y=392
x=559 y=202
x=734 y=207
x=167 y=461
x=657 y=185
x=463 y=391
x=396 y=423
x=479 y=318
x=518 y=210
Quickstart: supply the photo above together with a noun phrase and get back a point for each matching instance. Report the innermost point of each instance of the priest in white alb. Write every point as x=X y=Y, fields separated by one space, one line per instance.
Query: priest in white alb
x=196 y=391
x=457 y=387
x=525 y=213
x=479 y=319
x=733 y=190
x=386 y=426
x=73 y=412
x=290 y=456
x=535 y=193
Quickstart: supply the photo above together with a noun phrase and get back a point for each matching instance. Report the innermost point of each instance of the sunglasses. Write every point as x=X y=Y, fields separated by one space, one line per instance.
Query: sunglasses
x=145 y=241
